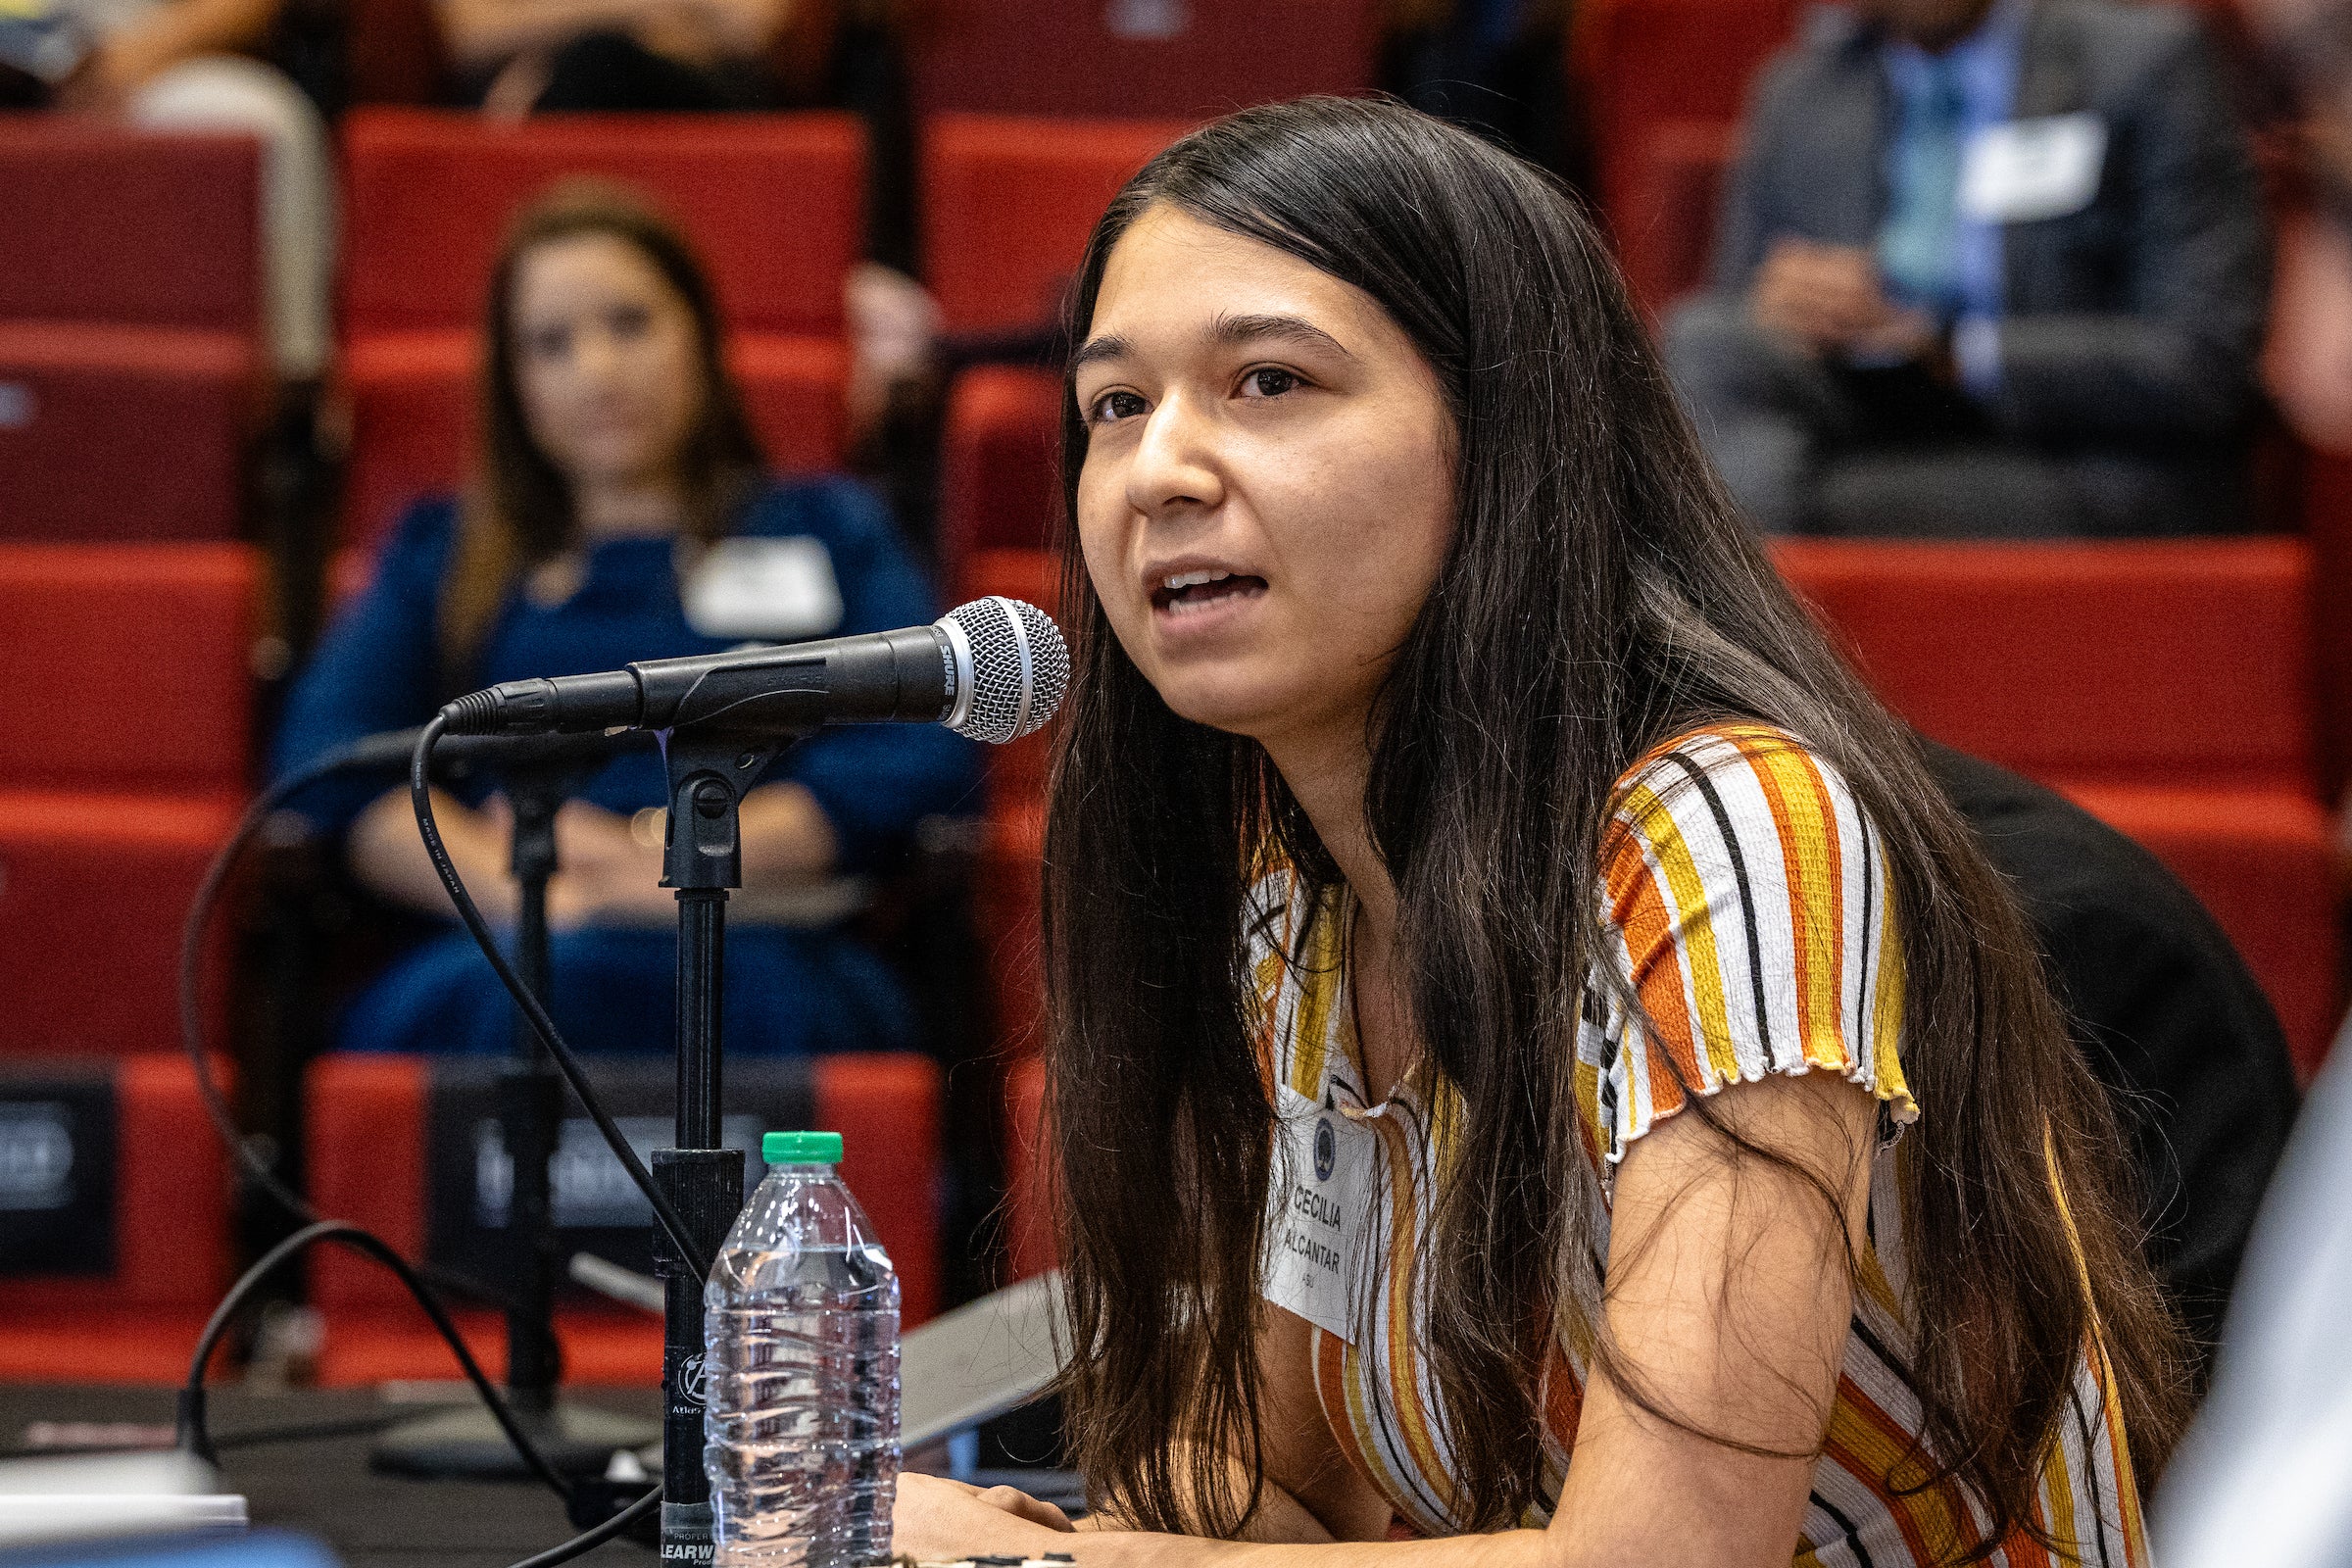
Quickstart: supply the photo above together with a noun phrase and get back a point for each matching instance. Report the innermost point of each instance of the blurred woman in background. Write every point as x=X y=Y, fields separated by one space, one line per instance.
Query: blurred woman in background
x=623 y=511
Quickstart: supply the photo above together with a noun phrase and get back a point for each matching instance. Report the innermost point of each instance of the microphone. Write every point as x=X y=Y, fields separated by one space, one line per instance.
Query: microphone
x=393 y=747
x=994 y=669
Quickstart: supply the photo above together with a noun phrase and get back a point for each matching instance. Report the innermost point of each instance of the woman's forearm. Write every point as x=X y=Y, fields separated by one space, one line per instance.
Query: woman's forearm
x=387 y=857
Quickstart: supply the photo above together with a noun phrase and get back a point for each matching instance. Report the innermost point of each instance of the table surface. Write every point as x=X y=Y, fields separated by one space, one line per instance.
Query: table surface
x=317 y=1480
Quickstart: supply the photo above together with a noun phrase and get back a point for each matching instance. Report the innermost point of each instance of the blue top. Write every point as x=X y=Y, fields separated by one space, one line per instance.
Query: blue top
x=377 y=668
x=1941 y=104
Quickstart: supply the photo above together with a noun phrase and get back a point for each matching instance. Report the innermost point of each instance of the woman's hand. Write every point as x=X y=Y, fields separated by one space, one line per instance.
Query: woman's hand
x=942 y=1520
x=604 y=874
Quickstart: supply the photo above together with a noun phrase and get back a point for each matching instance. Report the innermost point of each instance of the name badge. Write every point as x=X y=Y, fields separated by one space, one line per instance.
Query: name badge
x=1317 y=1212
x=763 y=590
x=2027 y=170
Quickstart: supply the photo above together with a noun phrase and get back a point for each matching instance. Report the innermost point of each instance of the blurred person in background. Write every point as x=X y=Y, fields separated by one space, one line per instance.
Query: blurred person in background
x=183 y=64
x=2264 y=1475
x=623 y=511
x=523 y=56
x=1986 y=268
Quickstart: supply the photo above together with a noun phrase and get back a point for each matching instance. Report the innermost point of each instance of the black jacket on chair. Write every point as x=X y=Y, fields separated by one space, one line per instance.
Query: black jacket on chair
x=2167 y=1014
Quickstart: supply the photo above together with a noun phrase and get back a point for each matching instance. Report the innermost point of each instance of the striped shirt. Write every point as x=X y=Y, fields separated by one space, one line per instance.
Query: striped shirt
x=1747 y=904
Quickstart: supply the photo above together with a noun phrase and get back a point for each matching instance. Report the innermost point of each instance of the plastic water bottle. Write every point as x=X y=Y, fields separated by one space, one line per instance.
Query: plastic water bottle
x=800 y=1351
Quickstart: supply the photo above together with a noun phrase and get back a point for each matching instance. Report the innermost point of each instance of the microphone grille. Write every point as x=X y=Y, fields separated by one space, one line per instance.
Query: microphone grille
x=1013 y=669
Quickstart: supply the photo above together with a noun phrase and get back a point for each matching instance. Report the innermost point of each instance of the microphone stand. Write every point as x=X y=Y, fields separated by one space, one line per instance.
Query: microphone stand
x=578 y=1440
x=711 y=768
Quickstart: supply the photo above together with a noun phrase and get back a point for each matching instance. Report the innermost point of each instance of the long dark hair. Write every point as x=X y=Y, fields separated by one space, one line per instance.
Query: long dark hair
x=1601 y=594
x=519 y=510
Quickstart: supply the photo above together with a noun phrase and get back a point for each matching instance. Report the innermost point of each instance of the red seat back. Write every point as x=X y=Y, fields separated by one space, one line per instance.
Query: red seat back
x=2263 y=864
x=171 y=1208
x=124 y=432
x=130 y=666
x=996 y=465
x=1665 y=230
x=94 y=888
x=772 y=202
x=2162 y=664
x=129 y=227
x=1008 y=204
x=1192 y=58
x=1645 y=63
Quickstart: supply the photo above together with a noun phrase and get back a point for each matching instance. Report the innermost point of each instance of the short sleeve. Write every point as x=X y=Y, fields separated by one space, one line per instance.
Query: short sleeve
x=1745 y=902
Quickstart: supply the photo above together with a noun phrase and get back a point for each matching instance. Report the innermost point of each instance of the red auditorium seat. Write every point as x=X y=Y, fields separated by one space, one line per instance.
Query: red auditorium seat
x=999 y=456
x=1646 y=63
x=1009 y=203
x=1673 y=195
x=2165 y=685
x=133 y=1318
x=1195 y=57
x=773 y=203
x=2167 y=663
x=412 y=413
x=369 y=1129
x=1007 y=206
x=2260 y=861
x=130 y=369
x=109 y=813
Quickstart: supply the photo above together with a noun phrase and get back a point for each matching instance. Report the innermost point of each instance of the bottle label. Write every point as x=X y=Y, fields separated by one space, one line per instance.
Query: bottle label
x=686 y=1533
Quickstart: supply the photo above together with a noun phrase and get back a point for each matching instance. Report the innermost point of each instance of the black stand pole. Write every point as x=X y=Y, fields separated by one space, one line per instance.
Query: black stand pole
x=577 y=1440
x=710 y=772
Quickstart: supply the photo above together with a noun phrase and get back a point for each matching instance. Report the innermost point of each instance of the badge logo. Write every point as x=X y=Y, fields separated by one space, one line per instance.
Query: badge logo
x=1327 y=1148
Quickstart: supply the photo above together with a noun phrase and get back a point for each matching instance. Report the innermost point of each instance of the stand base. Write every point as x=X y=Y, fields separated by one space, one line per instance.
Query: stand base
x=468 y=1445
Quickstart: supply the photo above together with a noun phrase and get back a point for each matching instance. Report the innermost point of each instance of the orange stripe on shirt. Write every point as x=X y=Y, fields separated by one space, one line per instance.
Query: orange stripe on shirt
x=1328 y=1354
x=1867 y=1445
x=1691 y=926
x=1639 y=907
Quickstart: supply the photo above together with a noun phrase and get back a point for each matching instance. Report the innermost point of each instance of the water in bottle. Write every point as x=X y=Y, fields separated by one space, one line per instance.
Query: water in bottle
x=800 y=1353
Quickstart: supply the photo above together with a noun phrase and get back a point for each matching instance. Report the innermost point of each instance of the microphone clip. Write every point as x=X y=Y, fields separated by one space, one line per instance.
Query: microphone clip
x=711 y=768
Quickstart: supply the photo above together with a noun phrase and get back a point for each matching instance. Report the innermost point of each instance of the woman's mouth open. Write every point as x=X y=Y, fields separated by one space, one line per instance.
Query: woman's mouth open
x=1193 y=593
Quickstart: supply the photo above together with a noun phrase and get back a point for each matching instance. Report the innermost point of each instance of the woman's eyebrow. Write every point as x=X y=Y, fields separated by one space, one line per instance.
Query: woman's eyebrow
x=1233 y=330
x=1095 y=351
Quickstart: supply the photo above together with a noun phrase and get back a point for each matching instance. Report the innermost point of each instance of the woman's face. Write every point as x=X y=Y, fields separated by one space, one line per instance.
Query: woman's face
x=1268 y=487
x=606 y=360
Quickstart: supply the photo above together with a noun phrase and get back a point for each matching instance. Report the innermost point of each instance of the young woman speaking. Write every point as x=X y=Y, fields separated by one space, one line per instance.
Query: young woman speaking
x=1539 y=1073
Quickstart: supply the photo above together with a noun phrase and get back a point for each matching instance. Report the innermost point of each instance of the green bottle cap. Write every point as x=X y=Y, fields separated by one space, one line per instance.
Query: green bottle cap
x=801 y=1148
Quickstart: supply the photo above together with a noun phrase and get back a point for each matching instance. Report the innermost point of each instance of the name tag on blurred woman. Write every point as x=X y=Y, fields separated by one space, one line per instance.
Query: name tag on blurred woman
x=763 y=590
x=1316 y=1213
